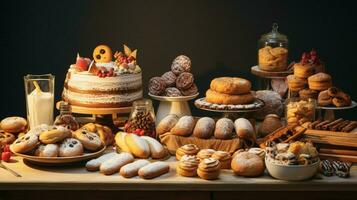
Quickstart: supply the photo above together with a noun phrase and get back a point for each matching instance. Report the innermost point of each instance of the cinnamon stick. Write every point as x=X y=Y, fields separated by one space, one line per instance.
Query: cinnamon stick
x=319 y=126
x=349 y=127
x=327 y=126
x=313 y=124
x=337 y=126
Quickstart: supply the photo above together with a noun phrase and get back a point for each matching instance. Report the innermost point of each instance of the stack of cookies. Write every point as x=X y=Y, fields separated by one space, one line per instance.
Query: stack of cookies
x=11 y=127
x=230 y=90
x=177 y=82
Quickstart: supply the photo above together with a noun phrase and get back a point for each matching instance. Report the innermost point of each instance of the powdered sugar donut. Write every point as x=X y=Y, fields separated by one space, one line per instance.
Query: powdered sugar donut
x=181 y=64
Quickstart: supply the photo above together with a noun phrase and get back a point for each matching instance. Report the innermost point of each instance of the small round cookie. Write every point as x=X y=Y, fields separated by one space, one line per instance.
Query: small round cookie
x=231 y=85
x=204 y=128
x=187 y=149
x=172 y=92
x=224 y=129
x=90 y=140
x=166 y=124
x=6 y=138
x=308 y=93
x=157 y=86
x=54 y=135
x=70 y=147
x=104 y=132
x=303 y=71
x=47 y=150
x=169 y=78
x=24 y=143
x=205 y=153
x=13 y=124
x=220 y=98
x=320 y=81
x=296 y=84
x=102 y=54
x=190 y=91
x=184 y=80
x=181 y=64
x=184 y=126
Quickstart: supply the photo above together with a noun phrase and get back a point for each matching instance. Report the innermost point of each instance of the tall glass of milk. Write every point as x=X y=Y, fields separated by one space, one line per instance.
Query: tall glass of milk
x=39 y=92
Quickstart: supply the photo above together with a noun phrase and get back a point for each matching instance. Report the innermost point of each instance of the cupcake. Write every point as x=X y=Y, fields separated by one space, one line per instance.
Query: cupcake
x=187 y=166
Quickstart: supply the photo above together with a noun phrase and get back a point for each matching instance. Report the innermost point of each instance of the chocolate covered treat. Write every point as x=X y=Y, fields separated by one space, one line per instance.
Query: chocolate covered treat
x=172 y=92
x=190 y=91
x=181 y=64
x=169 y=78
x=184 y=80
x=157 y=86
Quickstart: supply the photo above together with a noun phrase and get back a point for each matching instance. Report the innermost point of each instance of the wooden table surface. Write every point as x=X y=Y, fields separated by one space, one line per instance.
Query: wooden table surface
x=77 y=178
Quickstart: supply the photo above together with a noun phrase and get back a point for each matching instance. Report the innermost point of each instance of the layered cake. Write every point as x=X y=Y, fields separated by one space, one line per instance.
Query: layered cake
x=106 y=82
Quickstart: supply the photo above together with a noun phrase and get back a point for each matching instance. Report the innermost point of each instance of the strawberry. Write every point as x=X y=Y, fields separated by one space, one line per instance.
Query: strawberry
x=142 y=132
x=137 y=131
x=7 y=148
x=5 y=156
x=82 y=63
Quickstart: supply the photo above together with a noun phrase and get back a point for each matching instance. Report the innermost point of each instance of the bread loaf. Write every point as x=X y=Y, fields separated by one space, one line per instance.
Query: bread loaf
x=204 y=128
x=184 y=126
x=224 y=128
x=137 y=146
x=244 y=129
x=166 y=124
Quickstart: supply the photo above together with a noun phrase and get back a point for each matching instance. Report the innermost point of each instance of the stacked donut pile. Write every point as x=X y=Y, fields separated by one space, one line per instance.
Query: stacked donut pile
x=207 y=163
x=11 y=127
x=310 y=81
x=206 y=127
x=175 y=83
x=230 y=90
x=58 y=141
x=125 y=164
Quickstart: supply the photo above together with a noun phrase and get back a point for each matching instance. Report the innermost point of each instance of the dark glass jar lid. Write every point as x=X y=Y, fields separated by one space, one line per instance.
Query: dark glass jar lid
x=274 y=35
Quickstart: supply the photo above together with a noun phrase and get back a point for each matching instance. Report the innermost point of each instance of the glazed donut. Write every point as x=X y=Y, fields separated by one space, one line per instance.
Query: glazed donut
x=231 y=85
x=248 y=165
x=220 y=98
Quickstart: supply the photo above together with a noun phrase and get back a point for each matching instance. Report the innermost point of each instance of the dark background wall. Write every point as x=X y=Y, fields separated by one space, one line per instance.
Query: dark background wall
x=219 y=36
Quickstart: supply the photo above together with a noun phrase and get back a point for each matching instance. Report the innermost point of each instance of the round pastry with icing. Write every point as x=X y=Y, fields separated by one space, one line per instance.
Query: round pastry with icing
x=172 y=92
x=184 y=80
x=157 y=86
x=181 y=64
x=224 y=158
x=205 y=153
x=190 y=91
x=187 y=166
x=187 y=149
x=169 y=78
x=209 y=169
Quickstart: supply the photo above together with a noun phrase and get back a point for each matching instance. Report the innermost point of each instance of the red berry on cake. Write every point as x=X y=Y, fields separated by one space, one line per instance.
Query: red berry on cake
x=5 y=156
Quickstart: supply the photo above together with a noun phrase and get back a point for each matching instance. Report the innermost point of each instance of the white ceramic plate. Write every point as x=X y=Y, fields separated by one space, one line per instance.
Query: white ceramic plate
x=353 y=104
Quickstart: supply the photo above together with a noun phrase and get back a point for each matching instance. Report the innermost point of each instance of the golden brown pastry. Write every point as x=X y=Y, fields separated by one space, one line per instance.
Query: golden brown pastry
x=303 y=71
x=205 y=153
x=188 y=149
x=272 y=59
x=295 y=83
x=184 y=126
x=224 y=129
x=324 y=99
x=248 y=165
x=230 y=85
x=320 y=81
x=166 y=124
x=209 y=169
x=220 y=98
x=224 y=158
x=187 y=166
x=308 y=93
x=270 y=124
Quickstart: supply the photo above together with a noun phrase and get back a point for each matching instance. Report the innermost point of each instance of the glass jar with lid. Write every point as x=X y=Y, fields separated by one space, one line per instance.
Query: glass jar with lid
x=142 y=118
x=273 y=51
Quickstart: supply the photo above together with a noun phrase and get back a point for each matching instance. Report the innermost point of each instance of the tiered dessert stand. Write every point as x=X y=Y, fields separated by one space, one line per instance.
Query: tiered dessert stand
x=172 y=105
x=99 y=115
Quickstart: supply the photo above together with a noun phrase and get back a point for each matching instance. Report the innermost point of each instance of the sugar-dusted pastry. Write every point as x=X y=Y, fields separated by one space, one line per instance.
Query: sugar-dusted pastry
x=184 y=126
x=181 y=64
x=172 y=92
x=244 y=129
x=190 y=91
x=224 y=158
x=187 y=149
x=55 y=134
x=157 y=151
x=70 y=147
x=205 y=153
x=47 y=150
x=137 y=146
x=247 y=164
x=209 y=169
x=204 y=128
x=24 y=143
x=166 y=124
x=154 y=170
x=114 y=164
x=187 y=166
x=320 y=81
x=224 y=128
x=132 y=169
x=157 y=86
x=94 y=164
x=90 y=141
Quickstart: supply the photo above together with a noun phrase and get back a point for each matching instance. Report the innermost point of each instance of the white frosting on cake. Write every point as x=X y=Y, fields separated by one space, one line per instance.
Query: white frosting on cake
x=87 y=82
x=101 y=98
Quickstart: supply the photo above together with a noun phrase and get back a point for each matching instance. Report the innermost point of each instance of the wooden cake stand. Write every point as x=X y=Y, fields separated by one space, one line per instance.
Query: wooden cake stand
x=329 y=112
x=172 y=105
x=103 y=116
